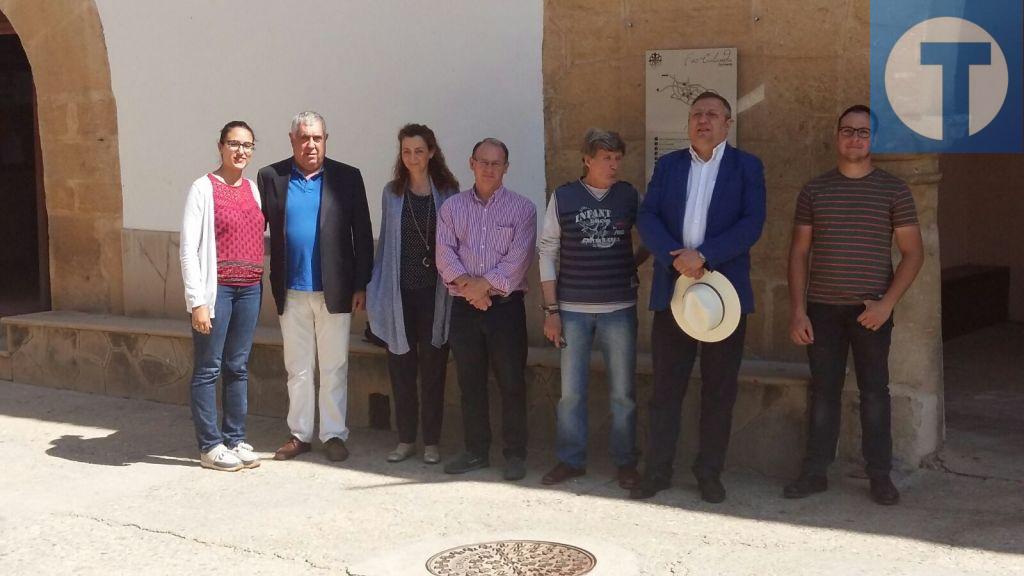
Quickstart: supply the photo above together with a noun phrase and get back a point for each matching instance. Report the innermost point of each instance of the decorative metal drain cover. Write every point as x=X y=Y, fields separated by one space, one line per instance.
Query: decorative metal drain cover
x=512 y=558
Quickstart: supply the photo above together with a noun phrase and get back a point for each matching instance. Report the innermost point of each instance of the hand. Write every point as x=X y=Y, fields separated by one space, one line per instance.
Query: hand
x=482 y=303
x=800 y=329
x=358 y=301
x=553 y=328
x=476 y=289
x=461 y=281
x=875 y=314
x=201 y=319
x=688 y=263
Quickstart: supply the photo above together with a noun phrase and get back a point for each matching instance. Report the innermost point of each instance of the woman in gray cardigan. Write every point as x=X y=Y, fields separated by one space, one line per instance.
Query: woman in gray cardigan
x=407 y=302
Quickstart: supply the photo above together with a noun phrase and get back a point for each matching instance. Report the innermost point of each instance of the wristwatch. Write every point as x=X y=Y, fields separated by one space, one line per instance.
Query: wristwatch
x=549 y=309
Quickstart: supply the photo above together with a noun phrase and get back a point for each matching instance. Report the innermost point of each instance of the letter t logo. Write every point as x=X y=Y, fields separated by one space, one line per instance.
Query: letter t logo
x=956 y=59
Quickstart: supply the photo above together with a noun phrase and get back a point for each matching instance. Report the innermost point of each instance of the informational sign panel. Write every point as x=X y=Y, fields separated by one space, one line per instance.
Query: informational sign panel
x=673 y=79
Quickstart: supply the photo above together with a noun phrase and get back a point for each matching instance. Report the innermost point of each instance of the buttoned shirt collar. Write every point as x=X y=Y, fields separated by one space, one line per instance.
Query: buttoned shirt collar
x=497 y=194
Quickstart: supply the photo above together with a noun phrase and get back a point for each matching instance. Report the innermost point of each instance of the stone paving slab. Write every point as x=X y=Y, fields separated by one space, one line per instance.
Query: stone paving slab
x=99 y=485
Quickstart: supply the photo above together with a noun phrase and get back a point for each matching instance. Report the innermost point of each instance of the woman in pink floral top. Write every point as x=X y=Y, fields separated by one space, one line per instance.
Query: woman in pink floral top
x=222 y=269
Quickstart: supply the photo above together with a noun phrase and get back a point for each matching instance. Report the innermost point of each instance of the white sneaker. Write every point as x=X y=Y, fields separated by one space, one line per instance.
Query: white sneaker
x=245 y=453
x=220 y=458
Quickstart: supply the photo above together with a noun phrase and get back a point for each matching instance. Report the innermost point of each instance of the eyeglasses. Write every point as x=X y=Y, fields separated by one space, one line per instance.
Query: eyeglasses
x=484 y=164
x=235 y=145
x=848 y=132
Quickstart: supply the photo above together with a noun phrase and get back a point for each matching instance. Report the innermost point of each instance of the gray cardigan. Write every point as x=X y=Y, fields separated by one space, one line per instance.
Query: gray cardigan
x=383 y=293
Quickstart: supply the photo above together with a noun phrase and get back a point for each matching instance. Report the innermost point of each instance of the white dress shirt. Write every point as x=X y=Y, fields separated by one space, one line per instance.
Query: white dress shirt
x=700 y=186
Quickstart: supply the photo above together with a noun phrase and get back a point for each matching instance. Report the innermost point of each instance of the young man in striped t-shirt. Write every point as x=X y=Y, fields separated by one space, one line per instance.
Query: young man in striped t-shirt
x=845 y=222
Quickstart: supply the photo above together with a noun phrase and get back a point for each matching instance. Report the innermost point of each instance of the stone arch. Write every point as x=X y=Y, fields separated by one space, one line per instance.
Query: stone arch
x=78 y=137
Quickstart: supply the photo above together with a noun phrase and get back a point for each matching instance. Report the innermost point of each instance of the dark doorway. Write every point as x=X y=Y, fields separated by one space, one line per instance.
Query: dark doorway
x=24 y=268
x=981 y=199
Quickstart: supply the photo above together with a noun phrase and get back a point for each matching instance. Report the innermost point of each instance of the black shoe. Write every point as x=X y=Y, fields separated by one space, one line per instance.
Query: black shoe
x=805 y=485
x=649 y=486
x=466 y=462
x=711 y=489
x=560 y=473
x=515 y=468
x=883 y=491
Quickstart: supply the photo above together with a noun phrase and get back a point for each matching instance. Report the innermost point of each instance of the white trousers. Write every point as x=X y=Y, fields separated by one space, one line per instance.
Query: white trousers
x=310 y=331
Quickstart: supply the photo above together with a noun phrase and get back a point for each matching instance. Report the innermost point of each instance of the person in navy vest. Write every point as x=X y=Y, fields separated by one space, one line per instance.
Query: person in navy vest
x=704 y=210
x=589 y=282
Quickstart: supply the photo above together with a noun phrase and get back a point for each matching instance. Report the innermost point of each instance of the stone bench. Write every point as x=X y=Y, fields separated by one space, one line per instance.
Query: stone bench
x=151 y=359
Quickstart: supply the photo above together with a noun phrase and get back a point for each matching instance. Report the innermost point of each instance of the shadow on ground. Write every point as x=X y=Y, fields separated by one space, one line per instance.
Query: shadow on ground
x=978 y=476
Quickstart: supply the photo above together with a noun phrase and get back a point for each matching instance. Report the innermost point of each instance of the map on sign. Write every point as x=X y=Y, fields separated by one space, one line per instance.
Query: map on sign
x=674 y=78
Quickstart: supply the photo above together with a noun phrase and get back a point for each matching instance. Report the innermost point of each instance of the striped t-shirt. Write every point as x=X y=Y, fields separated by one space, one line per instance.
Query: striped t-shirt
x=853 y=221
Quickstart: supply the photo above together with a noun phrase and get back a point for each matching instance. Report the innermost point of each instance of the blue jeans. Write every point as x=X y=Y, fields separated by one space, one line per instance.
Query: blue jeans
x=225 y=349
x=615 y=336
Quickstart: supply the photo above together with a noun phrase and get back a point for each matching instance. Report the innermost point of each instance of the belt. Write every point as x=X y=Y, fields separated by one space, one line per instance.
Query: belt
x=512 y=297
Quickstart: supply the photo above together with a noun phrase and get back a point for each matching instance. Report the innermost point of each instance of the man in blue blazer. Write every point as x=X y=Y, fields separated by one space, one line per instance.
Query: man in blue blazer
x=704 y=210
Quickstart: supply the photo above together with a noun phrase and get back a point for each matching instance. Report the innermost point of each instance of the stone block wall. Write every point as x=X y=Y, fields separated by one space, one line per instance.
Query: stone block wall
x=152 y=277
x=799 y=65
x=152 y=360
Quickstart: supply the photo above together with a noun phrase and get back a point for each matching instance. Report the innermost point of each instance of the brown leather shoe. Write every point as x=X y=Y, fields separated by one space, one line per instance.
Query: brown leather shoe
x=292 y=448
x=336 y=450
x=628 y=477
x=560 y=473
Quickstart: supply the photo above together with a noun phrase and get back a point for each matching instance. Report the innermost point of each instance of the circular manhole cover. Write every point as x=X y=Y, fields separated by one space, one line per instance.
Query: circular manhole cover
x=512 y=558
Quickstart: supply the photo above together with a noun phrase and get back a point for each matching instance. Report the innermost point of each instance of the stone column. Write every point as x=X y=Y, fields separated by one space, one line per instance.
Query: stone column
x=915 y=362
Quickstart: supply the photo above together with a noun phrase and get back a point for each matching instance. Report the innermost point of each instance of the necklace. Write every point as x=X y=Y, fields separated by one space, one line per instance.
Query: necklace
x=424 y=237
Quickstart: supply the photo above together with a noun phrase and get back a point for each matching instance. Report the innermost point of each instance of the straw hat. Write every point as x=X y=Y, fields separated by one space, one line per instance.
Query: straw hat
x=708 y=309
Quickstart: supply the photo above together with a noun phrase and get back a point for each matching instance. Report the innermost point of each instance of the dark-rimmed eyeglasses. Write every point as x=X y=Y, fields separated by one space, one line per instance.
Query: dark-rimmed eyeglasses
x=850 y=132
x=235 y=145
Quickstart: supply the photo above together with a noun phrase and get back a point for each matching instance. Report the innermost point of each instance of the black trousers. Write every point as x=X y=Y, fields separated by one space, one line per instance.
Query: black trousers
x=674 y=353
x=836 y=331
x=494 y=340
x=429 y=362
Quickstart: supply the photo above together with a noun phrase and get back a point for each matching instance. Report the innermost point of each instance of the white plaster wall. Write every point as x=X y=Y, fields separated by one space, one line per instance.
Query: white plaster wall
x=181 y=69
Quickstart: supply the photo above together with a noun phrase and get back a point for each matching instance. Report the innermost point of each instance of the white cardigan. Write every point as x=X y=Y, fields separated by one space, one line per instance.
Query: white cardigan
x=199 y=245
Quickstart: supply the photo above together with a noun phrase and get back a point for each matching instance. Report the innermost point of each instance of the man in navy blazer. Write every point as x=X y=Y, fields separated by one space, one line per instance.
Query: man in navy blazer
x=321 y=257
x=704 y=210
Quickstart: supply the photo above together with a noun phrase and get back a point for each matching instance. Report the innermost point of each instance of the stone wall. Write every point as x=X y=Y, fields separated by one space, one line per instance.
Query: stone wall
x=152 y=277
x=78 y=136
x=800 y=64
x=151 y=359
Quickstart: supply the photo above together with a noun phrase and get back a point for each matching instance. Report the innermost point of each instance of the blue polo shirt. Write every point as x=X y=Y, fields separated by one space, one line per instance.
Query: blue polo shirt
x=302 y=231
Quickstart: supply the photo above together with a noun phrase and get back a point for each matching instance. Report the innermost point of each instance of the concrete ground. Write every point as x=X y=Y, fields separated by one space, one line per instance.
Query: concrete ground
x=99 y=485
